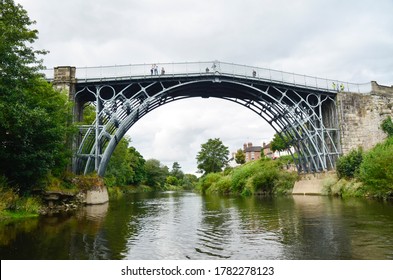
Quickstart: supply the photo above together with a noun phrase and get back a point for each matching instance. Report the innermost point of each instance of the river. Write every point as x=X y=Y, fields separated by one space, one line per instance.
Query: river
x=185 y=225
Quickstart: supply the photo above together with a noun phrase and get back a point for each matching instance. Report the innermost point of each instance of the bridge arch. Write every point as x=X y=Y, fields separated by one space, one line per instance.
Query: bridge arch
x=306 y=116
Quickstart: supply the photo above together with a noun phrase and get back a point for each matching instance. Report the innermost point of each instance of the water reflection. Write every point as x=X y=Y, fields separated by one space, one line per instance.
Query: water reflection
x=174 y=225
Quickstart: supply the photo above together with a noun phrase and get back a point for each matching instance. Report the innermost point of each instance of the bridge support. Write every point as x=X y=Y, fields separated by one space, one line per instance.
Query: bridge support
x=64 y=80
x=320 y=121
x=360 y=117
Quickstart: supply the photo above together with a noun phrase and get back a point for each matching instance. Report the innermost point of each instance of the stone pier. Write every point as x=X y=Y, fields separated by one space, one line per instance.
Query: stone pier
x=360 y=117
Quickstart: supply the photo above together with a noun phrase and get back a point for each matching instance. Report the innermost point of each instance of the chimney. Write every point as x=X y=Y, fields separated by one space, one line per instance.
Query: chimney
x=249 y=144
x=244 y=146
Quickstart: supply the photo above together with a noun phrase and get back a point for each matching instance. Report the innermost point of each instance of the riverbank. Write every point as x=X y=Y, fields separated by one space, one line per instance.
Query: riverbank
x=329 y=184
x=255 y=178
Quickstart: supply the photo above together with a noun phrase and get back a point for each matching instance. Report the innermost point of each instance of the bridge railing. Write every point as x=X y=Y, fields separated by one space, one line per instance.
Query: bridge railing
x=201 y=68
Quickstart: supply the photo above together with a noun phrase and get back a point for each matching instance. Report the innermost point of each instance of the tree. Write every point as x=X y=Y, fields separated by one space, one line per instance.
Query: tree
x=126 y=166
x=279 y=143
x=18 y=59
x=156 y=173
x=176 y=171
x=119 y=170
x=34 y=118
x=240 y=157
x=213 y=156
x=137 y=163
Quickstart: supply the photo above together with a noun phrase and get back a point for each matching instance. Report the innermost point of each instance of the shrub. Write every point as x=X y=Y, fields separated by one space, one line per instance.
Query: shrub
x=207 y=181
x=376 y=170
x=387 y=126
x=29 y=205
x=241 y=175
x=264 y=180
x=8 y=199
x=88 y=182
x=172 y=180
x=284 y=182
x=223 y=186
x=348 y=166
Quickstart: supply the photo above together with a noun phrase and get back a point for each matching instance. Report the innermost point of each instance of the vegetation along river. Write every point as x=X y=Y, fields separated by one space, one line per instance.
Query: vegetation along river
x=182 y=225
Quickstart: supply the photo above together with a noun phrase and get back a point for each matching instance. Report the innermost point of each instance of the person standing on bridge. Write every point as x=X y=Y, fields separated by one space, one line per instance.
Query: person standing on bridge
x=151 y=70
x=155 y=69
x=162 y=71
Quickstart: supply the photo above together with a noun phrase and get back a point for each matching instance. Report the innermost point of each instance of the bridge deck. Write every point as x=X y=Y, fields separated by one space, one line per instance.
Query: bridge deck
x=89 y=75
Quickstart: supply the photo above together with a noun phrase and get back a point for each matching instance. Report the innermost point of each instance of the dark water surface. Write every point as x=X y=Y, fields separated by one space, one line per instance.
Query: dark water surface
x=174 y=225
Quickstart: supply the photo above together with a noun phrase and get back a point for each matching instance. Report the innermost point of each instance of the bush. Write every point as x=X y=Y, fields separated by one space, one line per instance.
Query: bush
x=8 y=199
x=264 y=180
x=348 y=166
x=11 y=201
x=376 y=170
x=223 y=186
x=88 y=182
x=387 y=126
x=207 y=181
x=284 y=182
x=172 y=180
x=29 y=205
x=241 y=175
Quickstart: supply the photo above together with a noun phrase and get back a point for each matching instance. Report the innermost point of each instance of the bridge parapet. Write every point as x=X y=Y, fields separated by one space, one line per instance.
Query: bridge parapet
x=135 y=71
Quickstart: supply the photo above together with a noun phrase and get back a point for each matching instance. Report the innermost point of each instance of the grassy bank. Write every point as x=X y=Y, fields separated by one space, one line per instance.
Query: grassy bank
x=367 y=174
x=353 y=187
x=13 y=206
x=262 y=176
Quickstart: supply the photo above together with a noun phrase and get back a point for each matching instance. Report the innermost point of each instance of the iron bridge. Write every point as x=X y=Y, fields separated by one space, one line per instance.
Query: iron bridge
x=301 y=109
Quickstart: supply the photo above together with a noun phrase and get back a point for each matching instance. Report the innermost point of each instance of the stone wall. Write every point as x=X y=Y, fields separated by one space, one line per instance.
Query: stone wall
x=64 y=79
x=360 y=117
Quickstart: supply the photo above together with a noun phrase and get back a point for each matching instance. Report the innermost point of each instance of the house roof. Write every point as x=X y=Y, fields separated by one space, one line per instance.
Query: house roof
x=267 y=146
x=253 y=149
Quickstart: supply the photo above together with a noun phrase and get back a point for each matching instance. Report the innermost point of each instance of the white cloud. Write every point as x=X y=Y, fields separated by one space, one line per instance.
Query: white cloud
x=346 y=40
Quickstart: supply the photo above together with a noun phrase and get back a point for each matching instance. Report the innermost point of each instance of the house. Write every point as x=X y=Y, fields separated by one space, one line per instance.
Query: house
x=267 y=152
x=252 y=152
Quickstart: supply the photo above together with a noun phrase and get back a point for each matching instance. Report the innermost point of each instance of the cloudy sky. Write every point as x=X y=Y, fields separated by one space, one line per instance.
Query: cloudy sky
x=345 y=40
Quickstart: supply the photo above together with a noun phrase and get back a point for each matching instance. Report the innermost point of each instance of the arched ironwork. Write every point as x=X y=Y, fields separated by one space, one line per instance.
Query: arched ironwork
x=303 y=114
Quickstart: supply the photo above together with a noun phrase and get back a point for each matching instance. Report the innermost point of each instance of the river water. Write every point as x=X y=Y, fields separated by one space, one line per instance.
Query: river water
x=183 y=225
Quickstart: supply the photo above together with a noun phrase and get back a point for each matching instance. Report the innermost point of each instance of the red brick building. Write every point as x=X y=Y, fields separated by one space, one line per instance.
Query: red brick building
x=252 y=152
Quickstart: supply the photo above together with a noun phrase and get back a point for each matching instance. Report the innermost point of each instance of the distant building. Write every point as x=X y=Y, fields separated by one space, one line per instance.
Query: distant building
x=252 y=152
x=267 y=152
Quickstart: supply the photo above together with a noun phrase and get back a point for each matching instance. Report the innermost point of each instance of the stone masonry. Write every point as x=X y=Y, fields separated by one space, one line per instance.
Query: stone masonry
x=64 y=80
x=360 y=117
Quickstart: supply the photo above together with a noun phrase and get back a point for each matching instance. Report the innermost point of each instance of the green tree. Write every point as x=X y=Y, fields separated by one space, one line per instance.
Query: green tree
x=119 y=170
x=176 y=171
x=156 y=173
x=18 y=59
x=34 y=118
x=348 y=166
x=137 y=163
x=240 y=157
x=189 y=181
x=126 y=166
x=279 y=143
x=213 y=156
x=172 y=180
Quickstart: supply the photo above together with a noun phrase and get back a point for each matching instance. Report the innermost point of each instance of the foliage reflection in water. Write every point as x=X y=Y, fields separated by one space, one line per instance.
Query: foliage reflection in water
x=174 y=225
